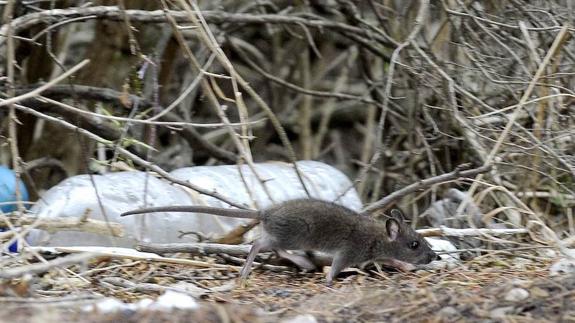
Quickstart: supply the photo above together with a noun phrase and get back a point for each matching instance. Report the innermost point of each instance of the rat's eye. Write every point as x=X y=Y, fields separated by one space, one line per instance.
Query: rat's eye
x=414 y=244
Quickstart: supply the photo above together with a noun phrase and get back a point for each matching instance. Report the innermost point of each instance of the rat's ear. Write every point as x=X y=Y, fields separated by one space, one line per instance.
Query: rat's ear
x=392 y=227
x=397 y=215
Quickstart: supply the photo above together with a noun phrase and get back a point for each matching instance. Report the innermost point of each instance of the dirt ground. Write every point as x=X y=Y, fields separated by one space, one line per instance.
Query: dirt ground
x=490 y=288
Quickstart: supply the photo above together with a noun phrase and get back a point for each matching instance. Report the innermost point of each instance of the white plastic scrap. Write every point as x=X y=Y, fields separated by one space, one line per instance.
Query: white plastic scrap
x=448 y=260
x=107 y=305
x=562 y=266
x=440 y=245
x=171 y=299
x=167 y=301
x=304 y=318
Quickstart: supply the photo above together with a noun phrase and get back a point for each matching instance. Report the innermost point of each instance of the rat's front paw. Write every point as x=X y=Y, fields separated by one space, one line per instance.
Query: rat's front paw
x=399 y=265
x=329 y=283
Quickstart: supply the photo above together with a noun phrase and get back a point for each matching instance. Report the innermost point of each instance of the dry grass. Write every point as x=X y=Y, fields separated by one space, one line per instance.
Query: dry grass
x=476 y=290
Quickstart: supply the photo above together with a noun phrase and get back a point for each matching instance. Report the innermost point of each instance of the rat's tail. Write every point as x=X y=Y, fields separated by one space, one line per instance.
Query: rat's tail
x=234 y=213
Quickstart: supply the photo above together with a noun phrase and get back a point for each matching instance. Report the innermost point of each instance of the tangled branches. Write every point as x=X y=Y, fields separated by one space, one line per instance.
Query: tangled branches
x=389 y=93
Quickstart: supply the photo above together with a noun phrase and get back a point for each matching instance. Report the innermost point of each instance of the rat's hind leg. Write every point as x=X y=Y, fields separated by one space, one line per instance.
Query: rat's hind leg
x=260 y=244
x=340 y=262
x=300 y=261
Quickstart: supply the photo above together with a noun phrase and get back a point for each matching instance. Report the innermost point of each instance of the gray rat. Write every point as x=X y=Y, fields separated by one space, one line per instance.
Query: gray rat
x=315 y=225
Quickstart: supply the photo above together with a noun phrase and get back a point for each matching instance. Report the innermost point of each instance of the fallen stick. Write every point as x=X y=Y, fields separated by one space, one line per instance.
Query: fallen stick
x=127 y=253
x=43 y=267
x=450 y=232
x=195 y=248
x=229 y=252
x=150 y=287
x=256 y=264
x=67 y=224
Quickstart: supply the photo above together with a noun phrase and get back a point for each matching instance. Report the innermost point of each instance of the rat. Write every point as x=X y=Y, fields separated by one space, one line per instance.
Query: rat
x=316 y=225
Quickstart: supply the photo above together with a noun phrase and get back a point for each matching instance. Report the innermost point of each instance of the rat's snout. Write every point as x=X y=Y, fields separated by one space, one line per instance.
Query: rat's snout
x=426 y=258
x=431 y=256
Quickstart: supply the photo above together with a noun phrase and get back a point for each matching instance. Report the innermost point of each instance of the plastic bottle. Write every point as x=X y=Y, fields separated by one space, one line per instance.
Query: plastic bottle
x=123 y=191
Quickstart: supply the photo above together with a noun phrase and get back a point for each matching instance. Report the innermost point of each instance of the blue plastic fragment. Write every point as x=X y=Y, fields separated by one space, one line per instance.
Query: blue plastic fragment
x=8 y=194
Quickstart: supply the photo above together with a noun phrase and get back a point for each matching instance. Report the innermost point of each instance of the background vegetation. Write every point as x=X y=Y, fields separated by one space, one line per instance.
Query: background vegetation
x=389 y=92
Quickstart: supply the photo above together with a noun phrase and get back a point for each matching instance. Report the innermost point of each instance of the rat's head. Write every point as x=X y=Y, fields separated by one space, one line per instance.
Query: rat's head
x=404 y=243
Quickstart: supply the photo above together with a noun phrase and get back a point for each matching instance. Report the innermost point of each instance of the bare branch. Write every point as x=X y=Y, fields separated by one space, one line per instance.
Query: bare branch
x=385 y=202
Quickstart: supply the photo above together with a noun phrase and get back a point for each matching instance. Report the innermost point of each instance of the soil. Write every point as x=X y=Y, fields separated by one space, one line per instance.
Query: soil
x=490 y=288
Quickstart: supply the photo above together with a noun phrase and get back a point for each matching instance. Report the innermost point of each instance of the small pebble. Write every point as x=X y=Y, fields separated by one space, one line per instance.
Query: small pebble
x=448 y=313
x=501 y=312
x=539 y=292
x=516 y=295
x=520 y=283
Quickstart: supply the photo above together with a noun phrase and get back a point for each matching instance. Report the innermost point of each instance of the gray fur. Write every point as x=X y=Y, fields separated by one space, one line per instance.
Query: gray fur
x=315 y=225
